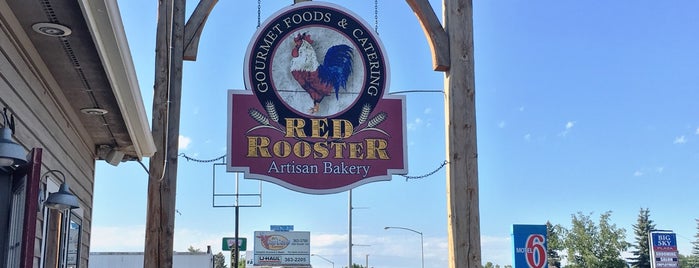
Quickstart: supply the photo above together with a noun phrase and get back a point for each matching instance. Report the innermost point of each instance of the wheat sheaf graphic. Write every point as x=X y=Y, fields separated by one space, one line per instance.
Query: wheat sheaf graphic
x=272 y=111
x=364 y=115
x=263 y=120
x=373 y=122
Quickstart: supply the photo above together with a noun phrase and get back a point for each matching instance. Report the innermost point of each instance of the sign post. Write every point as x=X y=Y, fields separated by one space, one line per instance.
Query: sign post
x=234 y=255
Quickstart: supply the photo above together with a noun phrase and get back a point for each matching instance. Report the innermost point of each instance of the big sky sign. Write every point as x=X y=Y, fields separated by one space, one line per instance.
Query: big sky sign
x=315 y=117
x=664 y=249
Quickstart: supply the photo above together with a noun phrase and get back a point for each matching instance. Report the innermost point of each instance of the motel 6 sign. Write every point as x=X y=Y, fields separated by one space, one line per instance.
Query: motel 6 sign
x=315 y=116
x=530 y=246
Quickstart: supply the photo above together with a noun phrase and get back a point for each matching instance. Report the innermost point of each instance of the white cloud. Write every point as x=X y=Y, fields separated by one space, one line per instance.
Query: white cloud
x=496 y=249
x=527 y=137
x=638 y=173
x=429 y=111
x=501 y=124
x=680 y=140
x=697 y=131
x=660 y=169
x=184 y=142
x=325 y=240
x=415 y=124
x=132 y=239
x=118 y=238
x=401 y=248
x=521 y=108
x=568 y=127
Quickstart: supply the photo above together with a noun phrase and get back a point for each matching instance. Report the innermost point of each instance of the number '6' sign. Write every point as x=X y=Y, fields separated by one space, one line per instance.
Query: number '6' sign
x=536 y=252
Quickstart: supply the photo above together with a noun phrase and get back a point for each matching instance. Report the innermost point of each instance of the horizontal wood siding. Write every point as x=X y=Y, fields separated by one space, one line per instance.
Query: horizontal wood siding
x=45 y=120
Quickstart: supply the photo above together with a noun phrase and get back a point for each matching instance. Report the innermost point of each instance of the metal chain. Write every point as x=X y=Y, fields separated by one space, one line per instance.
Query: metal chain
x=376 y=16
x=201 y=161
x=407 y=177
x=259 y=12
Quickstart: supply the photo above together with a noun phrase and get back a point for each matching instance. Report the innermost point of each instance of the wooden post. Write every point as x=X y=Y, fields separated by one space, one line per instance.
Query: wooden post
x=460 y=123
x=173 y=44
x=162 y=178
x=462 y=154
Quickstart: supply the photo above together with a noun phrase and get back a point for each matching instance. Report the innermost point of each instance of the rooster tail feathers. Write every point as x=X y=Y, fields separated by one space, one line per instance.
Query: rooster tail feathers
x=336 y=67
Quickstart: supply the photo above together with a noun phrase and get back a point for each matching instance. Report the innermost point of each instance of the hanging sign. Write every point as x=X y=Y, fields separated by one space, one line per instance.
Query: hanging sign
x=315 y=117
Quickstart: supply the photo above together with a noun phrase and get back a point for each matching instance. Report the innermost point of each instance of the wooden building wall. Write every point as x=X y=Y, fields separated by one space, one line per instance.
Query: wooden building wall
x=44 y=120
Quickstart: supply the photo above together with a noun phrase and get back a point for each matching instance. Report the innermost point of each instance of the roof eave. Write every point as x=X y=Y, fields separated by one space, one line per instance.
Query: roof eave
x=104 y=20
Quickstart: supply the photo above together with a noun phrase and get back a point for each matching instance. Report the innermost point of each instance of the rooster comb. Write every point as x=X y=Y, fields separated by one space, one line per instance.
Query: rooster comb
x=303 y=36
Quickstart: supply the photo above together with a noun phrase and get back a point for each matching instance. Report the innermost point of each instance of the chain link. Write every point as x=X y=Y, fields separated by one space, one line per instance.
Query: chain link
x=259 y=12
x=201 y=161
x=407 y=177
x=376 y=16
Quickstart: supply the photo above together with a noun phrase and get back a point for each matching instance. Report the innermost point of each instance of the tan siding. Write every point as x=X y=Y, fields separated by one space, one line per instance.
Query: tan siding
x=44 y=120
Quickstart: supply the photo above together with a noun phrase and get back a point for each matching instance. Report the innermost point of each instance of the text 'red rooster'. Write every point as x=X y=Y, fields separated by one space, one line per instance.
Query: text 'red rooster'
x=320 y=79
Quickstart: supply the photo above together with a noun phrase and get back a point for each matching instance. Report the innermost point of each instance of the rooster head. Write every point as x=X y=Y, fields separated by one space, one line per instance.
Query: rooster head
x=298 y=41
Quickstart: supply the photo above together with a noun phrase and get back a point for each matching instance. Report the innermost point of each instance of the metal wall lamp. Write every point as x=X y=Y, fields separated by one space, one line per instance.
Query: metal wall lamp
x=63 y=199
x=11 y=153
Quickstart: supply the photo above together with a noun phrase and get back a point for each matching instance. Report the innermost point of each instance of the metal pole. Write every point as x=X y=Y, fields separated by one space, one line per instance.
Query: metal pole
x=422 y=250
x=237 y=221
x=367 y=261
x=350 y=228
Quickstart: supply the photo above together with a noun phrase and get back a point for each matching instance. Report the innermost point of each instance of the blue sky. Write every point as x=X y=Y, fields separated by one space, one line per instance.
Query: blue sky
x=581 y=106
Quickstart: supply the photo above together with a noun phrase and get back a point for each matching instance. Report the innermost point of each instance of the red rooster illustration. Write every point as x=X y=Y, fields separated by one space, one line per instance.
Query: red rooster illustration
x=317 y=79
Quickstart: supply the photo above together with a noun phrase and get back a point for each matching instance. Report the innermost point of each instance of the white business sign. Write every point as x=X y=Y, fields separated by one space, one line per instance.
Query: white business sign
x=282 y=248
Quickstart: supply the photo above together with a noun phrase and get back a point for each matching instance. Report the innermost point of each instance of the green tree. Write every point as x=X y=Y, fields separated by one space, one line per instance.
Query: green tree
x=220 y=261
x=643 y=226
x=191 y=249
x=688 y=261
x=488 y=265
x=591 y=245
x=554 y=244
x=354 y=265
x=695 y=243
x=693 y=259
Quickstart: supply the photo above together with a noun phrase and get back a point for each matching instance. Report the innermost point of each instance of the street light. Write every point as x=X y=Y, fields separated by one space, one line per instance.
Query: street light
x=422 y=247
x=331 y=262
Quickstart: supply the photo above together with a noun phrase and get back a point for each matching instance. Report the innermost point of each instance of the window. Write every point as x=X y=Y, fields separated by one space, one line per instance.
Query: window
x=73 y=247
x=62 y=235
x=63 y=240
x=16 y=223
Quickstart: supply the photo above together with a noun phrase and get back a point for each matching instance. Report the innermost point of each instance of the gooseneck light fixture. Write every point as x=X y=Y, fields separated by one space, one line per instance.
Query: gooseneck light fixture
x=422 y=243
x=11 y=153
x=63 y=199
x=331 y=262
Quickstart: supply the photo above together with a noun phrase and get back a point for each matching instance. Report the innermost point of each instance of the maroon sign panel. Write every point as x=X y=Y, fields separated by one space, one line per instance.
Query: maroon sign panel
x=314 y=117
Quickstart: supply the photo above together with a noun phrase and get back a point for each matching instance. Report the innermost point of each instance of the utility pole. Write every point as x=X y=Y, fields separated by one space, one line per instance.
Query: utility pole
x=174 y=42
x=162 y=177
x=452 y=52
